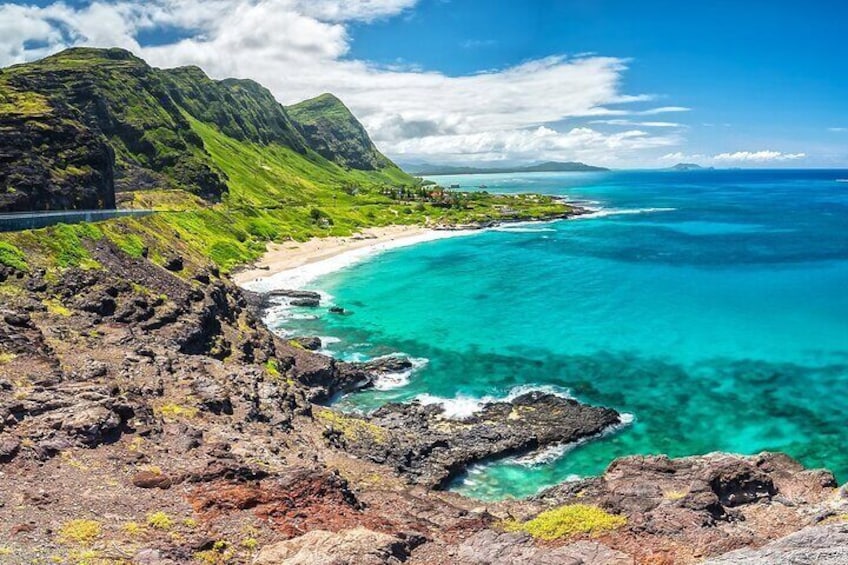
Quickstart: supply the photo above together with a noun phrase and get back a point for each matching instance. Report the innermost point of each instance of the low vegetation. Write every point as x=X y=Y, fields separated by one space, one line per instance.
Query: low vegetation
x=173 y=412
x=566 y=521
x=352 y=428
x=160 y=521
x=13 y=257
x=81 y=532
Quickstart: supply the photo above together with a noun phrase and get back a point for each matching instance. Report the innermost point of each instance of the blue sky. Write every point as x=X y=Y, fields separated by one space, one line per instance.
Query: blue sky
x=620 y=83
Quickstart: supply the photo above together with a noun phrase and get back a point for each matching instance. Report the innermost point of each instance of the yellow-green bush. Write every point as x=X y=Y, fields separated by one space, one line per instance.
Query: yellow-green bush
x=160 y=521
x=173 y=411
x=55 y=307
x=80 y=531
x=568 y=520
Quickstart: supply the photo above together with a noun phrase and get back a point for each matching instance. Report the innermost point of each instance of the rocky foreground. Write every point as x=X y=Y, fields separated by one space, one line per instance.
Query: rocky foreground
x=159 y=422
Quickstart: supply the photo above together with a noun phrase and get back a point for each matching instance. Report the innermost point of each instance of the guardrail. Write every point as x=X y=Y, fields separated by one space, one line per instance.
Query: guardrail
x=17 y=221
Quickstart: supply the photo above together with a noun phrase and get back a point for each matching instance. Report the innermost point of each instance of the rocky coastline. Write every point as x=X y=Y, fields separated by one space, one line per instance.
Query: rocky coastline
x=161 y=422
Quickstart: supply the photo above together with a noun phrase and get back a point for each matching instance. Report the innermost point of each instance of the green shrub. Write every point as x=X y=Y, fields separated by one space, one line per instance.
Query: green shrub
x=13 y=257
x=130 y=244
x=66 y=241
x=568 y=520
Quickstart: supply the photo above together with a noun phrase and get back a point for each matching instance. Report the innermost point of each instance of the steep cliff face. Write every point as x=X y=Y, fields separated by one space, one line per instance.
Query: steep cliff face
x=85 y=123
x=48 y=159
x=334 y=133
x=242 y=109
x=116 y=98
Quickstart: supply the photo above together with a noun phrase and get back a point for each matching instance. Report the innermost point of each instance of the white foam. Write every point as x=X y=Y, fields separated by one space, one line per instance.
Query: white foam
x=603 y=213
x=389 y=381
x=555 y=452
x=299 y=277
x=510 y=229
x=462 y=406
x=327 y=339
x=326 y=342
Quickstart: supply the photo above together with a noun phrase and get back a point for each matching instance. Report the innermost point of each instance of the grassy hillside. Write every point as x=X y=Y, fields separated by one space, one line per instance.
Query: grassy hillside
x=229 y=168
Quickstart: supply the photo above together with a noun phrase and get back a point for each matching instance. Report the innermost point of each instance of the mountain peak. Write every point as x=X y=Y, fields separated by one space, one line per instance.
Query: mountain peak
x=333 y=131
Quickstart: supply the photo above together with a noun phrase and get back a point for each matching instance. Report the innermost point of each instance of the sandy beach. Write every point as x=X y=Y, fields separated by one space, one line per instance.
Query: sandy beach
x=293 y=264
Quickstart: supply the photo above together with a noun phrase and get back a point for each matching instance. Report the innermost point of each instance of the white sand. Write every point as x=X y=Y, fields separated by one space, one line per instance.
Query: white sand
x=293 y=265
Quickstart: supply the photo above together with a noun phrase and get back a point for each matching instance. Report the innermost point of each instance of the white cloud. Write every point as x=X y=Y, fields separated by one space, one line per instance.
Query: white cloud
x=344 y=10
x=837 y=130
x=619 y=122
x=300 y=48
x=663 y=110
x=581 y=143
x=758 y=156
x=739 y=157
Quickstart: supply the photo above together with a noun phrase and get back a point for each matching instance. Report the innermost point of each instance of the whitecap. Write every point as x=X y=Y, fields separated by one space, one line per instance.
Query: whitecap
x=604 y=212
x=328 y=339
x=390 y=381
x=510 y=229
x=462 y=406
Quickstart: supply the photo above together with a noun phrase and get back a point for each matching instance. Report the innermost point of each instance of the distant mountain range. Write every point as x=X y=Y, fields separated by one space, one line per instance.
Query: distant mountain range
x=547 y=167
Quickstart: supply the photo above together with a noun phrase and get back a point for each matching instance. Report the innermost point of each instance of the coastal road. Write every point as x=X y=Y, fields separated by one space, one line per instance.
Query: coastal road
x=16 y=221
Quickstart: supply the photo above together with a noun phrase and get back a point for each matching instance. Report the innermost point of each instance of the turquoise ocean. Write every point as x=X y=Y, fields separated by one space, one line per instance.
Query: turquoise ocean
x=709 y=306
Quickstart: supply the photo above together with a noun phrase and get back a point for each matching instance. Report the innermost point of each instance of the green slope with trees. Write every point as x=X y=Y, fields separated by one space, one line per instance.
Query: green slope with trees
x=227 y=166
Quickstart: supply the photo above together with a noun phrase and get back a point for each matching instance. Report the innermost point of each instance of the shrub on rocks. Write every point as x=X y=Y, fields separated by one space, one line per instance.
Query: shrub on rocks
x=568 y=520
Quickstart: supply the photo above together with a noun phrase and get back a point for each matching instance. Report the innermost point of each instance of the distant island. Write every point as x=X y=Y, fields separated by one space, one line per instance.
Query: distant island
x=546 y=167
x=690 y=167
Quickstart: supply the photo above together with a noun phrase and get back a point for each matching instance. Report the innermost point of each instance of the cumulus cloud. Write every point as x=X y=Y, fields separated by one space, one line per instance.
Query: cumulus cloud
x=739 y=157
x=300 y=48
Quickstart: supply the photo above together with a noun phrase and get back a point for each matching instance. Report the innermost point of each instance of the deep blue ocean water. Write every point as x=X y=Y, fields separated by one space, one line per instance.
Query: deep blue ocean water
x=712 y=306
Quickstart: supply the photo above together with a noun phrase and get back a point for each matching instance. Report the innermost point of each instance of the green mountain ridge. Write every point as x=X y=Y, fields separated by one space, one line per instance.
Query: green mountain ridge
x=143 y=116
x=227 y=167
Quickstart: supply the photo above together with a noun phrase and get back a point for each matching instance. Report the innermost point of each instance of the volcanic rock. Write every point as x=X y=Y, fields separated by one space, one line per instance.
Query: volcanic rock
x=430 y=449
x=358 y=546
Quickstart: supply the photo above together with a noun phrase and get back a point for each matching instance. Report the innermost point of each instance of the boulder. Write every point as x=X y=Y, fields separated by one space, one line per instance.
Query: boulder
x=286 y=293
x=310 y=343
x=818 y=545
x=488 y=547
x=151 y=479
x=90 y=423
x=212 y=395
x=305 y=302
x=174 y=263
x=358 y=546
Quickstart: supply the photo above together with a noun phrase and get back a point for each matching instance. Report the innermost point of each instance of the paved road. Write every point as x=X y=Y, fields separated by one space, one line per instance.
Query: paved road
x=15 y=221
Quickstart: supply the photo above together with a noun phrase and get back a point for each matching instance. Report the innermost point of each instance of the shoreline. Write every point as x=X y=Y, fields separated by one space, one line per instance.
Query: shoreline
x=295 y=264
